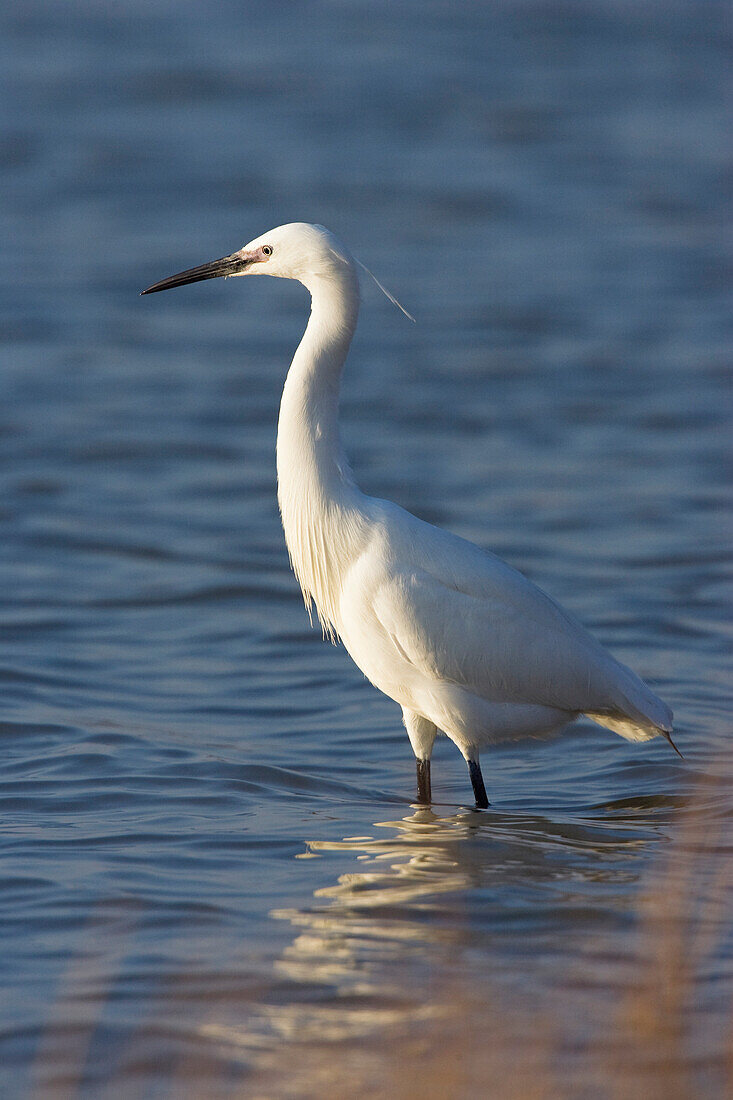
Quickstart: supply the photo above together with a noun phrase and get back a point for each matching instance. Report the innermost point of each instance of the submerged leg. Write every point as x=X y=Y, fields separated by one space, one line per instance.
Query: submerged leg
x=477 y=782
x=422 y=735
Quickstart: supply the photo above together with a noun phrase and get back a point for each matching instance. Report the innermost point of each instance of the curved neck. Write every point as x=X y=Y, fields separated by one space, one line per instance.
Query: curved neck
x=308 y=441
x=315 y=486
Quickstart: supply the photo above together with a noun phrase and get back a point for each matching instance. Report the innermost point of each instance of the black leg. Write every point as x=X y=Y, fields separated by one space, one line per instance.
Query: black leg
x=477 y=781
x=423 y=782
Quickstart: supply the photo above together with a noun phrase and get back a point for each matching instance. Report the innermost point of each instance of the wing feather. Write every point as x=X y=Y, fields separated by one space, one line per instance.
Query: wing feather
x=466 y=617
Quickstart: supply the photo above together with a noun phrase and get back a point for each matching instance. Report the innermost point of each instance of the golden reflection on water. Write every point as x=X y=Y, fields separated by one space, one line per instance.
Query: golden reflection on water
x=365 y=935
x=390 y=970
x=358 y=927
x=630 y=1008
x=363 y=925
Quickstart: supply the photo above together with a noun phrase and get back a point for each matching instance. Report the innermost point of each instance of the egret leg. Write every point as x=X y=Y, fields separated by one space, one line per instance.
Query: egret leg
x=477 y=782
x=423 y=781
x=422 y=734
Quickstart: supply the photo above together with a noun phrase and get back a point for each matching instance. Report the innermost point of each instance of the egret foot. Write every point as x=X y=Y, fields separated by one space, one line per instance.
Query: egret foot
x=477 y=781
x=423 y=781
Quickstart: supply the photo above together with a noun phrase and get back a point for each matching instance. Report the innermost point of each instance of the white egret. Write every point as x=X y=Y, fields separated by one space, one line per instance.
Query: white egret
x=463 y=642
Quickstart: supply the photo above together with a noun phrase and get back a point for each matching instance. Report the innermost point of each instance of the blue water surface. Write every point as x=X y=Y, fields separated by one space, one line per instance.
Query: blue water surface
x=210 y=859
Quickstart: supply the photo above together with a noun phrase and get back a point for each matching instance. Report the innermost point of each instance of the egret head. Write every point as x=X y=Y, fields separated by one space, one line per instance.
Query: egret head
x=296 y=251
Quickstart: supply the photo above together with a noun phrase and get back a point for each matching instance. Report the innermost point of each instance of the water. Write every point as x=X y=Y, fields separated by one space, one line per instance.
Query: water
x=212 y=876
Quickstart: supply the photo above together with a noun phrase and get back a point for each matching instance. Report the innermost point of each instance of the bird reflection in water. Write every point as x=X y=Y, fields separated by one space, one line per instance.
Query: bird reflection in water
x=362 y=929
x=372 y=915
x=360 y=963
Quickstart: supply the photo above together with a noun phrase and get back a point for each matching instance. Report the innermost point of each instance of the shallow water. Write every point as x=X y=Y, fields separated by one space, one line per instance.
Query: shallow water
x=210 y=860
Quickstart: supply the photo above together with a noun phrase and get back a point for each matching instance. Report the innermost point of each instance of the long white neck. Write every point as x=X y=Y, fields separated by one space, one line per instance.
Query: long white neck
x=319 y=502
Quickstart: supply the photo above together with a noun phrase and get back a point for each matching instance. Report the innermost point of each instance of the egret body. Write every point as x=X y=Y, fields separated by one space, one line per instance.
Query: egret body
x=463 y=642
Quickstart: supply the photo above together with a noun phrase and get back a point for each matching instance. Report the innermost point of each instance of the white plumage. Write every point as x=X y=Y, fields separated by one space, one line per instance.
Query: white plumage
x=463 y=642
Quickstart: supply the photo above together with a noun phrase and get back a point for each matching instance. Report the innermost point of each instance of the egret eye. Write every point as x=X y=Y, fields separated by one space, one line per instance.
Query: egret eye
x=267 y=250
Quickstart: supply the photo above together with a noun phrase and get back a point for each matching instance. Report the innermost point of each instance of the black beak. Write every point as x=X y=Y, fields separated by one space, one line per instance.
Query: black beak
x=227 y=265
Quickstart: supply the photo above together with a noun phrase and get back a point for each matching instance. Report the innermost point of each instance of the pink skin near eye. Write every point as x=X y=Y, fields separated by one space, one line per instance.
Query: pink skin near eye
x=255 y=255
